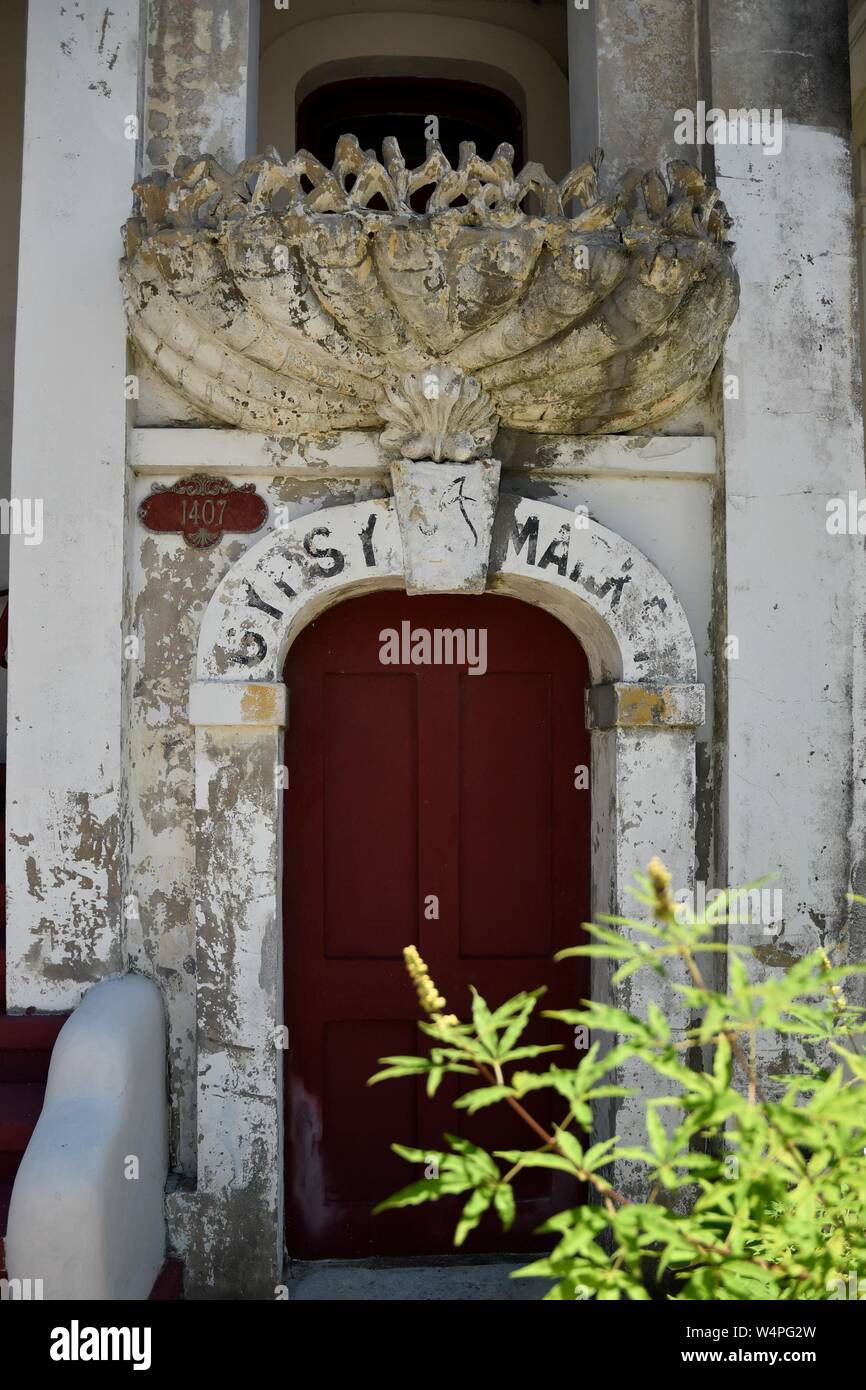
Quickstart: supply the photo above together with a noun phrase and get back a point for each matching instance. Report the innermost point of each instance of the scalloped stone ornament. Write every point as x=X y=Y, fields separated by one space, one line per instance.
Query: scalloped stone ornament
x=275 y=298
x=438 y=413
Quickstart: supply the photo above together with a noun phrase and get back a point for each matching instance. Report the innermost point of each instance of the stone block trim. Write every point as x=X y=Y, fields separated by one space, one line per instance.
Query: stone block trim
x=622 y=705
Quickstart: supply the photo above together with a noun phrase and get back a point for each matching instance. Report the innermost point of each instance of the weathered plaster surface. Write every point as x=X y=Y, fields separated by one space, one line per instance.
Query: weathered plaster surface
x=518 y=49
x=198 y=57
x=446 y=515
x=65 y=765
x=793 y=441
x=256 y=611
x=646 y=71
x=170 y=585
x=770 y=53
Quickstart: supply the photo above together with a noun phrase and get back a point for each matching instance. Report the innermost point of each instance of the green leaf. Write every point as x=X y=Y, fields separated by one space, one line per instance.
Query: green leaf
x=472 y=1213
x=656 y=1132
x=482 y=1020
x=506 y=1207
x=411 y=1155
x=483 y=1096
x=478 y=1156
x=516 y=1005
x=660 y=1025
x=426 y=1190
x=516 y=1027
x=434 y=1080
x=722 y=1064
x=599 y=1155
x=747 y=1281
x=540 y=1159
x=519 y=1054
x=401 y=1066
x=768 y=1193
x=570 y=1147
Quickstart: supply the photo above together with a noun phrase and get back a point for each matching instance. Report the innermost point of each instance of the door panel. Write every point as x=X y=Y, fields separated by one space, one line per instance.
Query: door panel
x=505 y=915
x=356 y=1157
x=370 y=776
x=407 y=784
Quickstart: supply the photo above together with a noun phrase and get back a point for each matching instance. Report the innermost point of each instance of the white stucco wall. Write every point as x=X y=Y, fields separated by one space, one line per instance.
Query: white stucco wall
x=11 y=132
x=793 y=441
x=65 y=773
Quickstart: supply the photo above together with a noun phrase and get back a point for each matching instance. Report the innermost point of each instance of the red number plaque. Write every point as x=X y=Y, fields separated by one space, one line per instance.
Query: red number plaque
x=201 y=508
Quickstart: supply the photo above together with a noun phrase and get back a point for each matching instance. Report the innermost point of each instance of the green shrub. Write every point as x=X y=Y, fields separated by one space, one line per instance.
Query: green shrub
x=746 y=1189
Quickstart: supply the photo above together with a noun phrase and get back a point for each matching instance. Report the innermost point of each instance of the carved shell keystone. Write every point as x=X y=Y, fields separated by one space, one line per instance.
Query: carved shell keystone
x=437 y=414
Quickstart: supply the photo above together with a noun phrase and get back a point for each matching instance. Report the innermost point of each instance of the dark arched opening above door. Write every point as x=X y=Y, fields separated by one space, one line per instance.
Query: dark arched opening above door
x=376 y=107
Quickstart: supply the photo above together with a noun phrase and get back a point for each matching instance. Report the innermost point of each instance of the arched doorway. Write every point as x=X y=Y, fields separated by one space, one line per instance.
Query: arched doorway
x=432 y=804
x=642 y=710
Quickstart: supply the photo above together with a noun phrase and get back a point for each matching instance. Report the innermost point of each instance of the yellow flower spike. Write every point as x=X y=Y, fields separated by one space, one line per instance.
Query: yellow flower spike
x=840 y=1003
x=429 y=998
x=664 y=907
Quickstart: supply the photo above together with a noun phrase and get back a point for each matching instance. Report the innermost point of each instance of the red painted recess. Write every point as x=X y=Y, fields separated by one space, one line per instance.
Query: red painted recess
x=168 y=1284
x=26 y=1043
x=406 y=782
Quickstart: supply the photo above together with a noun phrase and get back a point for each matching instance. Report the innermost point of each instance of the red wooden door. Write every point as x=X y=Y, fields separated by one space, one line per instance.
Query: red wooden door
x=408 y=783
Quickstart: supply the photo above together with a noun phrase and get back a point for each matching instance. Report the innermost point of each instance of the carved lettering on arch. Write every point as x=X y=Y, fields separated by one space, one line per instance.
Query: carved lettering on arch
x=315 y=552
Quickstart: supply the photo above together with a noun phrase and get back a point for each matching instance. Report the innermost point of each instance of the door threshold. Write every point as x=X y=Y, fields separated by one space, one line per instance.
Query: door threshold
x=418 y=1278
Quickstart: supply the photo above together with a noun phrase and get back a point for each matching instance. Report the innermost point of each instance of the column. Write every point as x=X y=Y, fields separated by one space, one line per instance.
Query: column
x=202 y=80
x=794 y=441
x=65 y=797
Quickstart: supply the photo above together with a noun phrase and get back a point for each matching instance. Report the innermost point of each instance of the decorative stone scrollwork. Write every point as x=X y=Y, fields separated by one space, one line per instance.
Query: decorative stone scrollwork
x=277 y=298
x=438 y=414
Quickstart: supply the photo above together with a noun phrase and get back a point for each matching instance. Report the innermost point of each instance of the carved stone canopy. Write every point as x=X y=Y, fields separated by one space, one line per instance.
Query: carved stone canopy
x=278 y=298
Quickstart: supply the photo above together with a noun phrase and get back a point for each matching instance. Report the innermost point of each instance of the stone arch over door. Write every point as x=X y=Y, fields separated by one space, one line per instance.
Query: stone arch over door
x=643 y=708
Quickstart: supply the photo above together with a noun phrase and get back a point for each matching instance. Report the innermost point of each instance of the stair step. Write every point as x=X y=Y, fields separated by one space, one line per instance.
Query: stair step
x=30 y=1032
